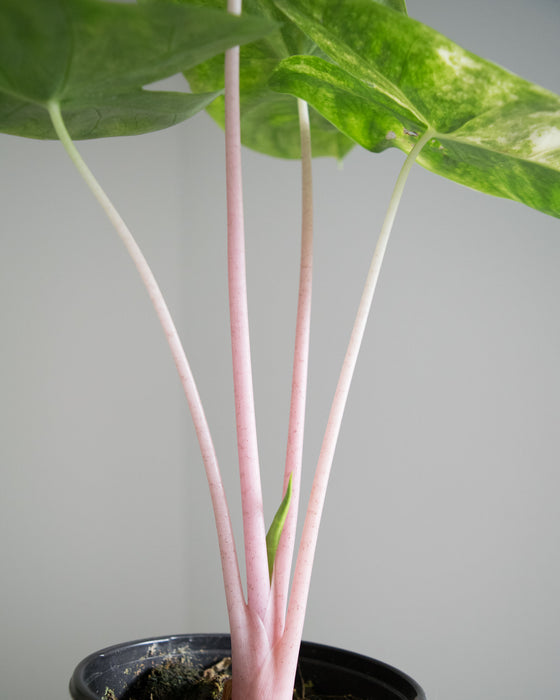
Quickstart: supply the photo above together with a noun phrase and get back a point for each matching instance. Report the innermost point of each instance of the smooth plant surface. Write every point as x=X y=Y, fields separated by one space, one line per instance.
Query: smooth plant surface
x=391 y=78
x=77 y=69
x=270 y=122
x=93 y=58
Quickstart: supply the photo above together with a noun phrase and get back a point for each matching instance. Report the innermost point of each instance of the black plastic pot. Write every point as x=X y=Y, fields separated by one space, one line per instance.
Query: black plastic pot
x=332 y=671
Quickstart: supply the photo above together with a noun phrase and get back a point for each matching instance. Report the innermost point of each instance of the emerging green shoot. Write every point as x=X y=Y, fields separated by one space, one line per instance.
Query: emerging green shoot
x=276 y=527
x=78 y=69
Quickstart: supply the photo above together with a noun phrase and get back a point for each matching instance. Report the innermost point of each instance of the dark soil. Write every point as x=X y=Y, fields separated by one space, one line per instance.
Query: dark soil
x=175 y=680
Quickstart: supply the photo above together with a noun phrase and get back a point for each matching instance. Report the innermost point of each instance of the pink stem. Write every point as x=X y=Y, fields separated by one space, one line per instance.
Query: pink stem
x=294 y=455
x=251 y=494
x=306 y=553
x=230 y=568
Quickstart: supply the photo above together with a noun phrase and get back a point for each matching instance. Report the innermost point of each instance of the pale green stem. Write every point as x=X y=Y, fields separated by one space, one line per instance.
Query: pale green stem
x=234 y=590
x=302 y=574
x=294 y=452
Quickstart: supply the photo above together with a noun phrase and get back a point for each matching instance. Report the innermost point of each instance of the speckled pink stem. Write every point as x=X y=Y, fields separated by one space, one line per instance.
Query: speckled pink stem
x=304 y=563
x=230 y=569
x=294 y=453
x=258 y=585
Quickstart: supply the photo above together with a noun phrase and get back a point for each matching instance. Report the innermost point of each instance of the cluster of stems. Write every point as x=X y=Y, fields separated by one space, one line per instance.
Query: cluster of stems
x=266 y=623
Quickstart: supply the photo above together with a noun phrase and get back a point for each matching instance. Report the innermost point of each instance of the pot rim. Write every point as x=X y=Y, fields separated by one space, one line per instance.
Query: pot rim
x=310 y=651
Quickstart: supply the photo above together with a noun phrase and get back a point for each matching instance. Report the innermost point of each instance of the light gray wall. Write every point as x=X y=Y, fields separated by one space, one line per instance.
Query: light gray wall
x=439 y=550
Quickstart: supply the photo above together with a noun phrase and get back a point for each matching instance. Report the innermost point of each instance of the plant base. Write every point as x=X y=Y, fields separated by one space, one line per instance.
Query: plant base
x=121 y=671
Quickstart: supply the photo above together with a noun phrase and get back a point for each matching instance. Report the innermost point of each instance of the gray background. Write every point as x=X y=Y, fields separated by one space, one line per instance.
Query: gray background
x=439 y=549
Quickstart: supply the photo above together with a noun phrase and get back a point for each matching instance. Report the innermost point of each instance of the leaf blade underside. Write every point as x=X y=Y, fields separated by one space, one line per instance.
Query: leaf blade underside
x=89 y=54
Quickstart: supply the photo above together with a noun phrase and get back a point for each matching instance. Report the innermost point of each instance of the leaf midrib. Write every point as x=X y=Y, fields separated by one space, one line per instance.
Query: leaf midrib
x=70 y=53
x=383 y=84
x=24 y=98
x=436 y=135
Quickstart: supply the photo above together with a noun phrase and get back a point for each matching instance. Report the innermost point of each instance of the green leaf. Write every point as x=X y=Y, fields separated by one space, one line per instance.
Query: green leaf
x=94 y=57
x=275 y=531
x=394 y=78
x=269 y=121
x=135 y=112
x=398 y=5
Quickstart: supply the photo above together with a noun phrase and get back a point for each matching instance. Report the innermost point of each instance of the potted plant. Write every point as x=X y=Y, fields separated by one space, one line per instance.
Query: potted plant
x=338 y=83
